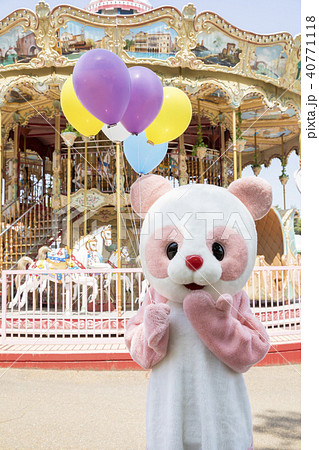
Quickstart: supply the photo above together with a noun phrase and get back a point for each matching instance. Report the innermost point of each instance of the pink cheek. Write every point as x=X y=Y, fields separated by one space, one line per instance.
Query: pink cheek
x=155 y=251
x=236 y=252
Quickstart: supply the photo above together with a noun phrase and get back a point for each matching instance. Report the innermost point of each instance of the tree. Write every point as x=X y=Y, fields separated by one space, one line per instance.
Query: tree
x=297 y=225
x=90 y=42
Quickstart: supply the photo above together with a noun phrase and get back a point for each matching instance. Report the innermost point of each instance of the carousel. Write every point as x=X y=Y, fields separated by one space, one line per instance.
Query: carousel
x=65 y=202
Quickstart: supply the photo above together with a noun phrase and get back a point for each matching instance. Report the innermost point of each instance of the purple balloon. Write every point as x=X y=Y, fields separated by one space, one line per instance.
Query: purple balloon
x=102 y=83
x=145 y=101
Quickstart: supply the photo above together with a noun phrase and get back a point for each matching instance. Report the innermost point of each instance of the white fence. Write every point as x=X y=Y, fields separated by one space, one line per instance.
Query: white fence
x=94 y=305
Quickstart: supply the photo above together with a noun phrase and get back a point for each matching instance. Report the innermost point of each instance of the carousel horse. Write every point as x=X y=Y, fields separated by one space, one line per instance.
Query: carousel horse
x=103 y=169
x=86 y=250
x=111 y=263
x=144 y=285
x=172 y=166
x=19 y=228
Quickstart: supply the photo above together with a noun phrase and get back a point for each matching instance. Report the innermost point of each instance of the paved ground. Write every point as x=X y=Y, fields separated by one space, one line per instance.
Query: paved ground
x=106 y=410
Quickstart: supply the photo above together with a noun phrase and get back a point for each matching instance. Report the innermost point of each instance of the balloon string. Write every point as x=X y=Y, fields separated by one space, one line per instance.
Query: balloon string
x=131 y=215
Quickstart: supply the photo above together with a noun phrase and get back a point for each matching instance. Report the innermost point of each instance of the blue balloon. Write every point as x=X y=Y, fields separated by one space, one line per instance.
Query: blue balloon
x=141 y=155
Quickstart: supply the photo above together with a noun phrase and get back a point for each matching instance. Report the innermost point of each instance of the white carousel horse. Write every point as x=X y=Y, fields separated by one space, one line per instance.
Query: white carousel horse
x=112 y=264
x=102 y=237
x=144 y=288
x=144 y=285
x=85 y=251
x=19 y=228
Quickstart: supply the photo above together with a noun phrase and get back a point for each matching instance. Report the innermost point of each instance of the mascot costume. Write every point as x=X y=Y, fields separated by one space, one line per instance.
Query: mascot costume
x=195 y=329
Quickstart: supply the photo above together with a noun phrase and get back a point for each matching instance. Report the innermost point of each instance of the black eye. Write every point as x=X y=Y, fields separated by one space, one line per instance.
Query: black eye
x=218 y=251
x=172 y=250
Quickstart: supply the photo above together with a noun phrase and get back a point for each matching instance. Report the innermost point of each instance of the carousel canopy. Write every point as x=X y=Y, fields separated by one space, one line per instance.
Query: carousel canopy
x=221 y=67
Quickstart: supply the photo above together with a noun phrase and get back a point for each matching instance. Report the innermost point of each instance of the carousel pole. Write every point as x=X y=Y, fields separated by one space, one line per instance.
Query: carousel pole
x=1 y=172
x=69 y=138
x=201 y=179
x=85 y=183
x=1 y=239
x=223 y=158
x=68 y=220
x=118 y=201
x=239 y=162
x=56 y=191
x=234 y=145
x=283 y=184
x=118 y=225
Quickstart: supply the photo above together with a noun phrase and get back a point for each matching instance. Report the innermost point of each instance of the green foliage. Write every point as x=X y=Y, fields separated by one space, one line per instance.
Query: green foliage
x=283 y=168
x=129 y=43
x=238 y=124
x=70 y=129
x=297 y=225
x=256 y=163
x=91 y=42
x=199 y=142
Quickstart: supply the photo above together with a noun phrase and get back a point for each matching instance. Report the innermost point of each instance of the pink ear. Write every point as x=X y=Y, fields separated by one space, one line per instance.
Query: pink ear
x=255 y=193
x=146 y=190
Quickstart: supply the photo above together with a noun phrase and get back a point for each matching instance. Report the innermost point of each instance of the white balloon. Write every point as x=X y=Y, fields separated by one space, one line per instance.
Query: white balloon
x=116 y=133
x=297 y=176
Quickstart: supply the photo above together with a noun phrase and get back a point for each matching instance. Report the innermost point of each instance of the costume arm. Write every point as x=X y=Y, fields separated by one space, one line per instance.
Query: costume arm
x=230 y=331
x=146 y=335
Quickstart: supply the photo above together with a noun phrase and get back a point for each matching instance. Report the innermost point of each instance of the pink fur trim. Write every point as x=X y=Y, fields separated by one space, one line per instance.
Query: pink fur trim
x=147 y=333
x=255 y=193
x=155 y=251
x=146 y=190
x=236 y=251
x=228 y=328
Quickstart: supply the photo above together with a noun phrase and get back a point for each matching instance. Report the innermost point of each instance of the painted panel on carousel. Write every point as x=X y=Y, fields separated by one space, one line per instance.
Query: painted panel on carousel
x=156 y=41
x=217 y=48
x=269 y=61
x=17 y=46
x=94 y=199
x=75 y=39
x=268 y=114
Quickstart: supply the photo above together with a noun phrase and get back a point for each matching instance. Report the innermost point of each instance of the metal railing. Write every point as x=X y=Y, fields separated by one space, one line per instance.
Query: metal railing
x=20 y=234
x=275 y=297
x=85 y=306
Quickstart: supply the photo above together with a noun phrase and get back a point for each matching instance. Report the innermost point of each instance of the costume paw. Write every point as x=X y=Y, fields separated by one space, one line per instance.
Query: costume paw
x=197 y=301
x=156 y=320
x=224 y=303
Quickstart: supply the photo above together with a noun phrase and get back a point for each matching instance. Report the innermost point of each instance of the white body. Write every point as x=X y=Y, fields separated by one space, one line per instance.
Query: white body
x=193 y=395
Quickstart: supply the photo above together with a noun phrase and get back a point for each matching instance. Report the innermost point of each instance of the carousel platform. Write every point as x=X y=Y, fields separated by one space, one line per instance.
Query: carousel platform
x=110 y=355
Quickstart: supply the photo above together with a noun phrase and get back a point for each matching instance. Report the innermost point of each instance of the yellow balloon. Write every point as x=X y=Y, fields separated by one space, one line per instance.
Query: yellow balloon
x=173 y=118
x=76 y=114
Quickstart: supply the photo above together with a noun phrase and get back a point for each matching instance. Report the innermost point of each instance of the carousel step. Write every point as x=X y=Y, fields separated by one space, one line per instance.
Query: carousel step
x=112 y=354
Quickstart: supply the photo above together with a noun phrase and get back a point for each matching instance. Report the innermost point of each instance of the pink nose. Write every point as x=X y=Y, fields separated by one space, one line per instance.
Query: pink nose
x=194 y=262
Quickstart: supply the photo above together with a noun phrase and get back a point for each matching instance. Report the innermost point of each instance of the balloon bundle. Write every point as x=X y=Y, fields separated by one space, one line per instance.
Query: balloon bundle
x=128 y=105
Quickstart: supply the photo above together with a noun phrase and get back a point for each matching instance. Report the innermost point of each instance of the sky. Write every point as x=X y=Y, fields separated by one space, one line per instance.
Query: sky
x=259 y=16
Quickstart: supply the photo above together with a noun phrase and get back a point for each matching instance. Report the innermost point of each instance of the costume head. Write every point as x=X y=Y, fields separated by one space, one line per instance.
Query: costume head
x=199 y=236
